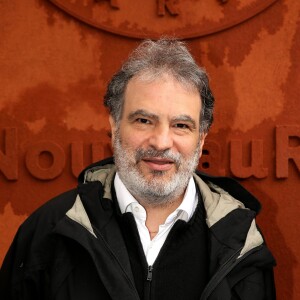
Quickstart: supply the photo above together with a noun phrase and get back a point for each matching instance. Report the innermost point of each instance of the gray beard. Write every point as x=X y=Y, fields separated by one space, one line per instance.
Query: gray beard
x=158 y=191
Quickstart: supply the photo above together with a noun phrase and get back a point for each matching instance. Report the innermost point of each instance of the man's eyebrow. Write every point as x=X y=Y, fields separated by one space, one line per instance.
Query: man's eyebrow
x=142 y=113
x=185 y=118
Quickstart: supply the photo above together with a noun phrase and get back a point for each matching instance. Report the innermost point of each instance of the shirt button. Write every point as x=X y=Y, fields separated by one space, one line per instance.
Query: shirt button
x=136 y=209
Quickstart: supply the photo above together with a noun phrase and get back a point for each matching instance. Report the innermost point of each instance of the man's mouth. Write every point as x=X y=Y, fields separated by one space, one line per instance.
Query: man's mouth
x=158 y=164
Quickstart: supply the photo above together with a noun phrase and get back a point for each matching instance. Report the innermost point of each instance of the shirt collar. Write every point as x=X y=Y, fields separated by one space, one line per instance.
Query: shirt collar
x=189 y=202
x=184 y=211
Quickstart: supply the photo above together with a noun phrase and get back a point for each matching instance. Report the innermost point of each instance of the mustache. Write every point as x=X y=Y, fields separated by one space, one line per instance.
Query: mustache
x=151 y=153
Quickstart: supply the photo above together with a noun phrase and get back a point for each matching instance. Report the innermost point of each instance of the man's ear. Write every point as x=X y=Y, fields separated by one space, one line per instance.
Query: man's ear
x=202 y=139
x=112 y=127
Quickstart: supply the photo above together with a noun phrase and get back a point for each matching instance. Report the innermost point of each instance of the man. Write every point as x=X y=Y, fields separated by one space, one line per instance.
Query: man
x=145 y=225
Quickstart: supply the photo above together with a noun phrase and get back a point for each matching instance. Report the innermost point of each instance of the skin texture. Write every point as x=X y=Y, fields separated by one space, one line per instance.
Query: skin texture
x=162 y=115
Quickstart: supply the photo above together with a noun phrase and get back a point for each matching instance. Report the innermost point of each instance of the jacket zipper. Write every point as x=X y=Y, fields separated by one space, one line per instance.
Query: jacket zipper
x=224 y=270
x=149 y=277
x=149 y=273
x=148 y=282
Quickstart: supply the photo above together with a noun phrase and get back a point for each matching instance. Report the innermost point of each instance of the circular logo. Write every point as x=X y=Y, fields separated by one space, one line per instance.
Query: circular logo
x=156 y=18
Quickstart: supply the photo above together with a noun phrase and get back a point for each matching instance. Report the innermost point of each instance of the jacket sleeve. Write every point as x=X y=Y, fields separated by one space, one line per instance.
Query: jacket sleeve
x=25 y=270
x=18 y=278
x=257 y=286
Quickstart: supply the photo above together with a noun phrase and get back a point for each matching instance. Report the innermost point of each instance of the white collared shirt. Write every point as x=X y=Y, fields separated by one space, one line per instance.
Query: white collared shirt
x=128 y=203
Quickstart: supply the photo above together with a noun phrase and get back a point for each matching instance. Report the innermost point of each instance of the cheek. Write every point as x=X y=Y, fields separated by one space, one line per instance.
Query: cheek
x=187 y=147
x=132 y=140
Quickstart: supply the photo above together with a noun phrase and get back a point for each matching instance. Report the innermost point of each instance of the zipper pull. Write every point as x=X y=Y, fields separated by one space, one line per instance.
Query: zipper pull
x=149 y=274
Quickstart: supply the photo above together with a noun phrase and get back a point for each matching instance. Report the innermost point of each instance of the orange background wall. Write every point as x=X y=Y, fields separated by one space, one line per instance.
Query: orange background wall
x=54 y=69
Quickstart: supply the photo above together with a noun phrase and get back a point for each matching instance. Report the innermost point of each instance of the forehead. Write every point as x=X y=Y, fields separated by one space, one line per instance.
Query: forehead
x=164 y=96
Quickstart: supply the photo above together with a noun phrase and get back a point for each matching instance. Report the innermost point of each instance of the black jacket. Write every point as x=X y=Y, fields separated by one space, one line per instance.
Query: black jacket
x=72 y=247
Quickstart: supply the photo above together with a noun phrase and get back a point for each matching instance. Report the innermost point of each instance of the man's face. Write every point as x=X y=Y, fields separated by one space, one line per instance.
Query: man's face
x=157 y=142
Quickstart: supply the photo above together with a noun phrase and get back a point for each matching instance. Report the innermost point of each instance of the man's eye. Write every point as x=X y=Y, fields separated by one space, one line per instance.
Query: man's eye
x=143 y=121
x=181 y=126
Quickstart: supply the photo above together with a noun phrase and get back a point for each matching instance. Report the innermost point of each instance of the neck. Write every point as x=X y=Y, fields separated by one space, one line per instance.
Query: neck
x=157 y=215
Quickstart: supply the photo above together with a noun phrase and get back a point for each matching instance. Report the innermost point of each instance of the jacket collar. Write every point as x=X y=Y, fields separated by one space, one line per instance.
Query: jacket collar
x=222 y=197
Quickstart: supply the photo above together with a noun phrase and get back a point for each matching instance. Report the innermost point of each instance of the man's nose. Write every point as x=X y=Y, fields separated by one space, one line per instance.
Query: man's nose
x=161 y=138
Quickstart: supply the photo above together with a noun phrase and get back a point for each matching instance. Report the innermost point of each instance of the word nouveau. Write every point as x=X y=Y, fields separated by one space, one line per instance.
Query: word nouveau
x=211 y=160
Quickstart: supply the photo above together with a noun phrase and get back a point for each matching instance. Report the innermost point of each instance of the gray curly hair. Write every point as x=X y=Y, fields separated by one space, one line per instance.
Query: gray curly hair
x=156 y=58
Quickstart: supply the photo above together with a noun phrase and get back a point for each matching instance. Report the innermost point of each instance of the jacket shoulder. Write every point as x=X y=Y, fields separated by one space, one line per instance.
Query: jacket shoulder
x=52 y=210
x=234 y=188
x=33 y=240
x=40 y=224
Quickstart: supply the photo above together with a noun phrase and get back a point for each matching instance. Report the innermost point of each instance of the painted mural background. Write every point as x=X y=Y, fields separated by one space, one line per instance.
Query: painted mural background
x=54 y=68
